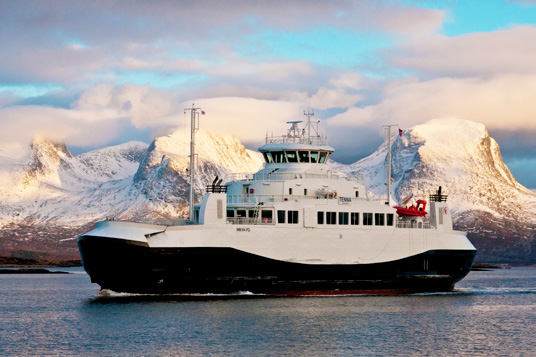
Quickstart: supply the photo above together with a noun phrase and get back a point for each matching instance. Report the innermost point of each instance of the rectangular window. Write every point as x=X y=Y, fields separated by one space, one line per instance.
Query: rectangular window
x=322 y=157
x=290 y=191
x=305 y=192
x=291 y=156
x=230 y=213
x=280 y=216
x=292 y=217
x=379 y=219
x=266 y=215
x=241 y=213
x=278 y=156
x=356 y=194
x=331 y=217
x=354 y=218
x=367 y=219
x=304 y=156
x=320 y=217
x=390 y=219
x=343 y=217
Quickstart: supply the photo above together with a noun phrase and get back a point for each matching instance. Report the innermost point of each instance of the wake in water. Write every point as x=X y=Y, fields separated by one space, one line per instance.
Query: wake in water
x=111 y=293
x=106 y=293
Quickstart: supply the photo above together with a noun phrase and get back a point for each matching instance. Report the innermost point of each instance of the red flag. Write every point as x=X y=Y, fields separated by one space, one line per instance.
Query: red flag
x=203 y=112
x=400 y=132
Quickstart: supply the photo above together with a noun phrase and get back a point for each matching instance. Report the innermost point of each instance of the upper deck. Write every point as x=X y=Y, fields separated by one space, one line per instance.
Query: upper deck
x=298 y=146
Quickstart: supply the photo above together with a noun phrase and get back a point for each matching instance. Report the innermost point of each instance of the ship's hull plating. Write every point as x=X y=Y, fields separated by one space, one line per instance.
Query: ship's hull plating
x=128 y=266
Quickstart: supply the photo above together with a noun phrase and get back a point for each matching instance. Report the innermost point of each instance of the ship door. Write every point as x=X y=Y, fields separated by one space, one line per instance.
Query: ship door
x=245 y=193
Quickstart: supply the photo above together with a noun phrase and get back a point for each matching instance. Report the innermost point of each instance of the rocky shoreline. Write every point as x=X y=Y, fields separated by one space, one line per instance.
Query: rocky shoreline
x=12 y=262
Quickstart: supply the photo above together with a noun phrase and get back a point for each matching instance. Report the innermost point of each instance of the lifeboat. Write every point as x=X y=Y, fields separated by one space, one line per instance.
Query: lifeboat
x=413 y=210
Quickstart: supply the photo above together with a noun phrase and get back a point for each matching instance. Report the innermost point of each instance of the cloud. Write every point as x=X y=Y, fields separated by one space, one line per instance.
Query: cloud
x=141 y=104
x=99 y=115
x=475 y=54
x=82 y=43
x=502 y=102
x=95 y=118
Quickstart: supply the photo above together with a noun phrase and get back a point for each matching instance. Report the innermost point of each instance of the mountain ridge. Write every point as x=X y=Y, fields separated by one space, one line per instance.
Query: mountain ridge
x=44 y=185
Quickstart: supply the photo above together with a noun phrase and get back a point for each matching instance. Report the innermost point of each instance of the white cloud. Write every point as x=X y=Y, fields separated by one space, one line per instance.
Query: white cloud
x=503 y=102
x=474 y=54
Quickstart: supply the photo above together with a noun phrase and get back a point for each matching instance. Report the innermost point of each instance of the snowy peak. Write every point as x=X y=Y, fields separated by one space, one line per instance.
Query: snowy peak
x=458 y=155
x=225 y=154
x=46 y=159
x=461 y=143
x=112 y=163
x=225 y=151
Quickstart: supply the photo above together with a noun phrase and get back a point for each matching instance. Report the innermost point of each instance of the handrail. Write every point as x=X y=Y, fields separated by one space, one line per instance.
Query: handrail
x=281 y=176
x=414 y=224
x=250 y=221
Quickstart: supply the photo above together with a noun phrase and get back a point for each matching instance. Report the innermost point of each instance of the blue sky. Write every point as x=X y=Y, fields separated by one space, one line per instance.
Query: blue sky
x=99 y=73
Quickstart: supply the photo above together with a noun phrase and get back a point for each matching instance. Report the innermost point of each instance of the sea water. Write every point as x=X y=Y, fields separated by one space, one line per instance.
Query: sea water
x=489 y=313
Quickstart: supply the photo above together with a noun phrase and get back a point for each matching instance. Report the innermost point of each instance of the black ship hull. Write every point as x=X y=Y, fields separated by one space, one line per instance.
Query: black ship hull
x=128 y=266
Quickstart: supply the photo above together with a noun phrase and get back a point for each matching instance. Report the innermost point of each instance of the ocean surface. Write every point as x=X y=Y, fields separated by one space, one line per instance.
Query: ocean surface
x=489 y=313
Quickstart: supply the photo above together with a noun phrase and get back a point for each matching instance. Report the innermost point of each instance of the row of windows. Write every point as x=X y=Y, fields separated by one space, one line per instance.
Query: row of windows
x=296 y=156
x=331 y=218
x=345 y=218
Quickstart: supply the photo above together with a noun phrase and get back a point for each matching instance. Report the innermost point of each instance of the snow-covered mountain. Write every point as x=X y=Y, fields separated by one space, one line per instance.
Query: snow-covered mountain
x=45 y=184
x=44 y=188
x=460 y=156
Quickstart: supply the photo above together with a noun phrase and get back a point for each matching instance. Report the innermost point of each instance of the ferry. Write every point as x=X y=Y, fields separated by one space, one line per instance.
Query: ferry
x=293 y=228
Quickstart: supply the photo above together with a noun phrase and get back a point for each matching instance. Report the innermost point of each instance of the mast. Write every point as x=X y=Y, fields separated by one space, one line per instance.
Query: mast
x=194 y=127
x=388 y=129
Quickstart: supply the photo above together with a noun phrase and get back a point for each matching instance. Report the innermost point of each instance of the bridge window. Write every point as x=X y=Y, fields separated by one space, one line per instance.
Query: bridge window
x=323 y=157
x=367 y=219
x=390 y=219
x=331 y=217
x=268 y=157
x=343 y=217
x=292 y=217
x=278 y=156
x=354 y=218
x=280 y=216
x=241 y=213
x=314 y=156
x=292 y=156
x=304 y=156
x=230 y=213
x=320 y=217
x=379 y=219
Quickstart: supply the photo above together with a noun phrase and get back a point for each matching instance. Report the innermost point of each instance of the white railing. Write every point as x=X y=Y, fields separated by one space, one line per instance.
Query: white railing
x=285 y=139
x=250 y=221
x=281 y=177
x=409 y=224
x=256 y=199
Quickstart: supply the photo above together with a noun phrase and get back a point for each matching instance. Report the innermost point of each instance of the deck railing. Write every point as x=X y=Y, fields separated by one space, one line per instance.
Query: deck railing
x=250 y=221
x=414 y=224
x=281 y=176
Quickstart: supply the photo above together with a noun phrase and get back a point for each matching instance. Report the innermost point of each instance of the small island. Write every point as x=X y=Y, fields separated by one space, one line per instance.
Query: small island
x=32 y=266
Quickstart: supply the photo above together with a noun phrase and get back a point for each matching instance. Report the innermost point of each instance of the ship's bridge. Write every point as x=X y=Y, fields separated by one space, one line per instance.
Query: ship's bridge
x=298 y=146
